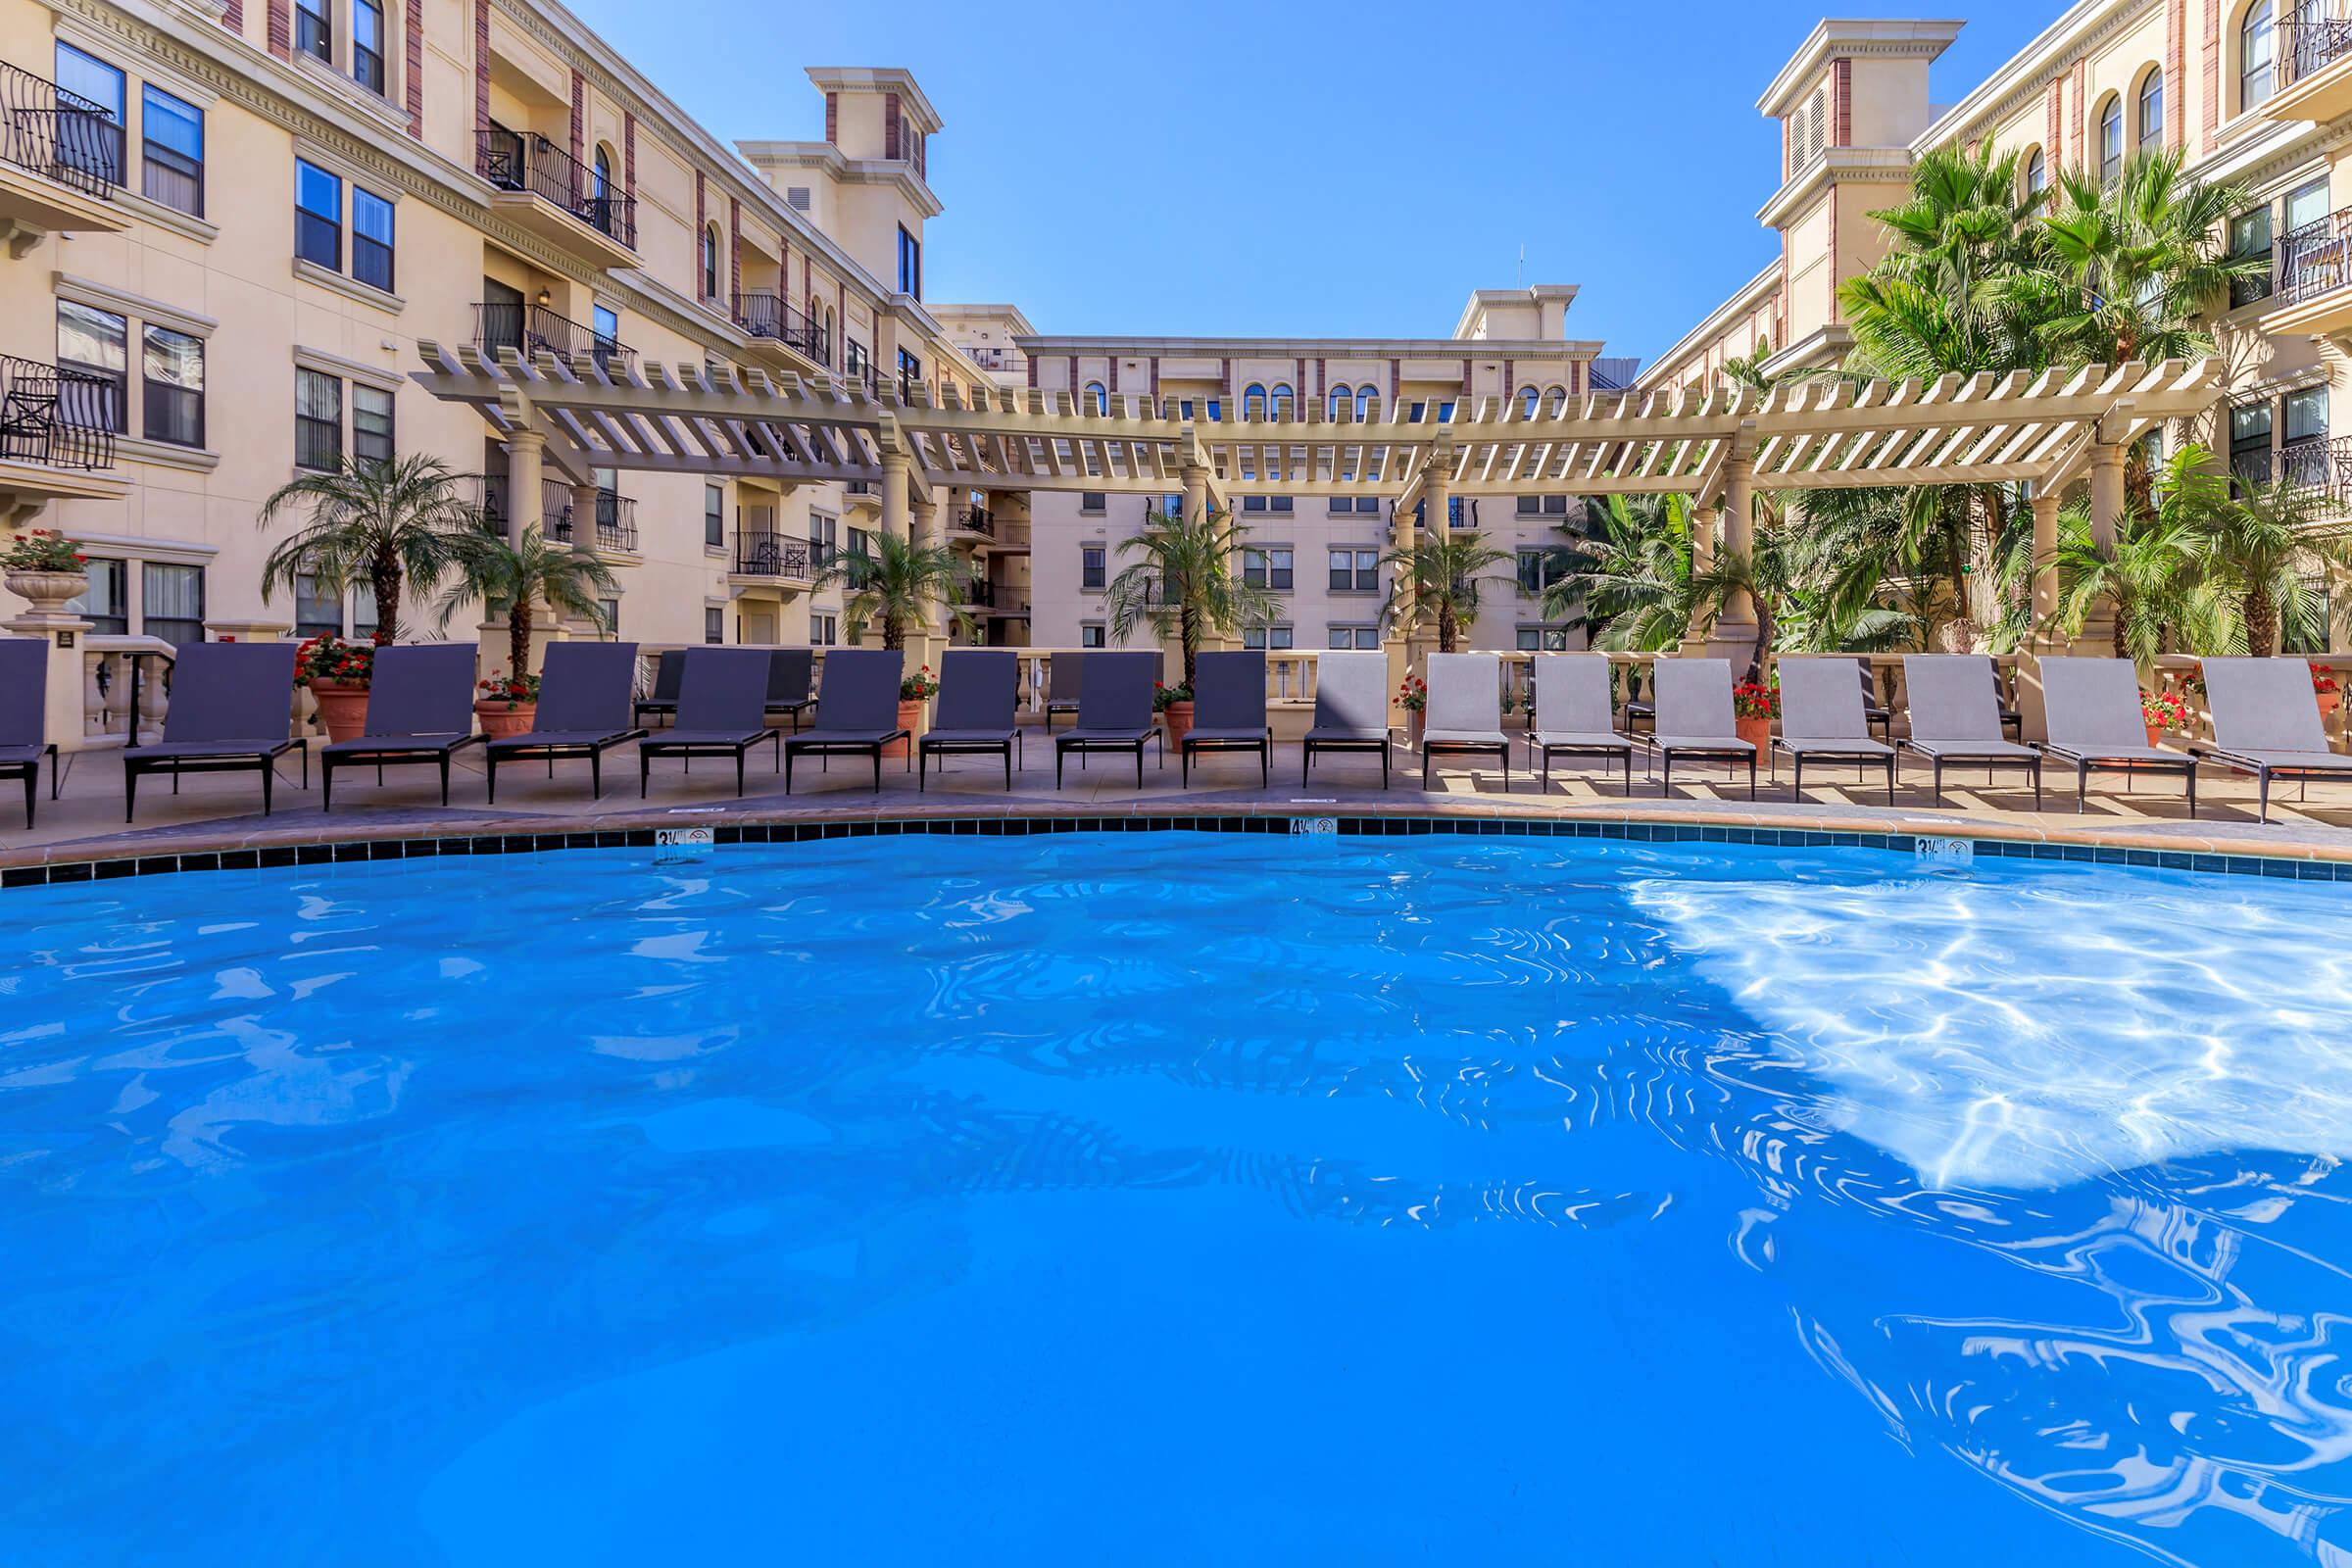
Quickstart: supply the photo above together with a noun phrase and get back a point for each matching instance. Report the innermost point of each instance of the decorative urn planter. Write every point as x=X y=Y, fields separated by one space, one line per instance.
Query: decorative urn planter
x=1756 y=731
x=48 y=592
x=342 y=708
x=1177 y=717
x=500 y=719
x=1416 y=724
x=911 y=720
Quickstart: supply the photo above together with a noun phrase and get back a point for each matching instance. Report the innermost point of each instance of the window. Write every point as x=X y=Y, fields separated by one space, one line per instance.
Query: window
x=317 y=421
x=605 y=321
x=2038 y=173
x=1269 y=567
x=171 y=169
x=92 y=148
x=2250 y=442
x=106 y=603
x=1367 y=403
x=911 y=371
x=2250 y=241
x=1530 y=402
x=1091 y=565
x=371 y=423
x=1279 y=503
x=824 y=539
x=1542 y=640
x=1216 y=410
x=1445 y=412
x=1263 y=638
x=715 y=623
x=1342 y=401
x=824 y=631
x=173 y=364
x=910 y=264
x=1355 y=572
x=2151 y=112
x=1355 y=637
x=1281 y=403
x=96 y=343
x=370 y=239
x=318 y=217
x=1095 y=400
x=600 y=175
x=1543 y=506
x=714 y=517
x=2111 y=141
x=2306 y=415
x=710 y=262
x=1253 y=402
x=368 y=45
x=317 y=613
x=311 y=34
x=2257 y=59
x=363 y=609
x=1091 y=503
x=2307 y=204
x=1090 y=634
x=174 y=602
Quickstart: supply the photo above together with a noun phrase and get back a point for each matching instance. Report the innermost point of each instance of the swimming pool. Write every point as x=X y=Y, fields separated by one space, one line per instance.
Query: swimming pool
x=1177 y=1197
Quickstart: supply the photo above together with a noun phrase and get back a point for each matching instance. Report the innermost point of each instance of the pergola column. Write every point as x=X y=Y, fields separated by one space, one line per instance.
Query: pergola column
x=2106 y=462
x=1703 y=521
x=1735 y=634
x=526 y=453
x=1437 y=499
x=2045 y=551
x=897 y=484
x=584 y=542
x=927 y=642
x=2042 y=638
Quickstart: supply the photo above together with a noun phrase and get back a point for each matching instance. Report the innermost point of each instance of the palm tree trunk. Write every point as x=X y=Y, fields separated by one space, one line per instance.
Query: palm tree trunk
x=386 y=580
x=1764 y=632
x=1187 y=637
x=519 y=636
x=2261 y=615
x=894 y=637
x=1448 y=626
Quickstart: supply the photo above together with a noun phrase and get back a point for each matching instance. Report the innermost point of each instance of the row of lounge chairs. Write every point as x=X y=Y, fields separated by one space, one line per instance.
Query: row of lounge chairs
x=229 y=705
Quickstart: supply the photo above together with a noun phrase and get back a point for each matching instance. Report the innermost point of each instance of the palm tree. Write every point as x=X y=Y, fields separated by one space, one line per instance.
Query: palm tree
x=2260 y=549
x=1441 y=577
x=405 y=521
x=897 y=581
x=2147 y=580
x=1629 y=578
x=1757 y=573
x=1184 y=583
x=523 y=575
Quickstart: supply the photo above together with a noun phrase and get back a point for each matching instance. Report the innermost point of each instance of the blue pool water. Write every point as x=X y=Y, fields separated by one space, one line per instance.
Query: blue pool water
x=1177 y=1198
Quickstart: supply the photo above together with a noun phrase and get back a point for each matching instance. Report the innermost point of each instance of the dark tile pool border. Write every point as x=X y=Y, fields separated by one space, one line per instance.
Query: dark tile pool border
x=429 y=846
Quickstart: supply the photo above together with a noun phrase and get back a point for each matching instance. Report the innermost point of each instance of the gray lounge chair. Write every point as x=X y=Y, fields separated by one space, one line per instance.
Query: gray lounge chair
x=1351 y=709
x=1465 y=712
x=1229 y=711
x=668 y=671
x=1825 y=719
x=584 y=710
x=25 y=715
x=2266 y=720
x=1695 y=717
x=979 y=710
x=1114 y=711
x=1875 y=710
x=856 y=710
x=420 y=709
x=1063 y=675
x=232 y=706
x=2095 y=722
x=1956 y=717
x=722 y=711
x=1572 y=713
x=790 y=682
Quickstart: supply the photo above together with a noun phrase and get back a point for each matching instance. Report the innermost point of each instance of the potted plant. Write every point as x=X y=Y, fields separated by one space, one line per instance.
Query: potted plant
x=521 y=576
x=2166 y=712
x=1755 y=706
x=1413 y=697
x=1186 y=586
x=896 y=583
x=337 y=673
x=508 y=704
x=391 y=525
x=913 y=692
x=43 y=569
x=1174 y=706
x=2323 y=687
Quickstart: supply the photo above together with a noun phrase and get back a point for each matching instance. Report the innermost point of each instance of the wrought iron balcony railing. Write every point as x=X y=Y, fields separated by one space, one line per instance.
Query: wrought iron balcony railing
x=774 y=555
x=979 y=520
x=764 y=315
x=63 y=418
x=555 y=504
x=2307 y=462
x=528 y=328
x=2316 y=259
x=615 y=522
x=58 y=134
x=2312 y=40
x=980 y=593
x=514 y=160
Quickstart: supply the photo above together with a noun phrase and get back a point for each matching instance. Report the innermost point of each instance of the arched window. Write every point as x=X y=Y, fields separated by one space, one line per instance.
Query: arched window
x=1253 y=402
x=2111 y=140
x=2257 y=56
x=2038 y=173
x=1342 y=400
x=711 y=263
x=1367 y=403
x=600 y=172
x=1529 y=401
x=2151 y=112
x=1556 y=398
x=1097 y=400
x=1281 y=409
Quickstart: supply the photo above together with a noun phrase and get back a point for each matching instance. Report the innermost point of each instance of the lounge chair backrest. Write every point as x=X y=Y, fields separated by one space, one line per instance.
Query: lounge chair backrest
x=231 y=692
x=1953 y=698
x=1117 y=693
x=861 y=690
x=584 y=688
x=1694 y=697
x=1229 y=691
x=1572 y=694
x=979 y=688
x=791 y=674
x=1465 y=691
x=668 y=671
x=724 y=689
x=1063 y=675
x=423 y=690
x=1820 y=700
x=2263 y=705
x=2093 y=703
x=24 y=690
x=1352 y=692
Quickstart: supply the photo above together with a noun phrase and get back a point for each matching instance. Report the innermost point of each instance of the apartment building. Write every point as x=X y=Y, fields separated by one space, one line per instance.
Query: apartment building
x=2253 y=92
x=230 y=225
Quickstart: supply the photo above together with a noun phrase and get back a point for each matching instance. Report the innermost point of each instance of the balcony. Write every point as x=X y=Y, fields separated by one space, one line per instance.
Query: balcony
x=781 y=334
x=555 y=504
x=2313 y=83
x=977 y=520
x=528 y=328
x=548 y=192
x=2307 y=462
x=57 y=435
x=768 y=559
x=61 y=163
x=615 y=522
x=2311 y=268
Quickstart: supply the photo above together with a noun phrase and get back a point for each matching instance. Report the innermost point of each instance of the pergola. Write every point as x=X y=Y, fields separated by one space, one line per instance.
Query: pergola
x=1720 y=446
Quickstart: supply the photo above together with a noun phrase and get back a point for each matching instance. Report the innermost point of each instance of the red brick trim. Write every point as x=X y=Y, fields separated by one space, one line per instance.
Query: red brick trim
x=2053 y=151
x=1511 y=368
x=281 y=29
x=840 y=322
x=481 y=65
x=1033 y=373
x=1841 y=94
x=833 y=118
x=1114 y=372
x=232 y=17
x=1073 y=385
x=628 y=154
x=784 y=271
x=2212 y=116
x=412 y=63
x=735 y=252
x=2175 y=73
x=2081 y=85
x=579 y=119
x=1156 y=377
x=890 y=124
x=1395 y=382
x=1225 y=378
x=701 y=225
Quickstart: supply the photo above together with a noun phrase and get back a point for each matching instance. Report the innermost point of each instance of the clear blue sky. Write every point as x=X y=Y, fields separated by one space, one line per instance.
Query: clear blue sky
x=1284 y=167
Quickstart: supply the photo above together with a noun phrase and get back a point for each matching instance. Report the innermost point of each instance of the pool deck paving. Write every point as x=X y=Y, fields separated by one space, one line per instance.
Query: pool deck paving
x=221 y=812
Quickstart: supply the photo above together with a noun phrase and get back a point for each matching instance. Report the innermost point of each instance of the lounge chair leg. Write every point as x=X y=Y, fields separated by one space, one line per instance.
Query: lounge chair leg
x=326 y=784
x=2263 y=786
x=1009 y=768
x=1937 y=791
x=1184 y=765
x=596 y=773
x=1139 y=764
x=269 y=777
x=740 y=753
x=1665 y=774
x=130 y=790
x=878 y=765
x=2082 y=783
x=2189 y=776
x=923 y=772
x=1796 y=776
x=444 y=778
x=490 y=766
x=1891 y=781
x=644 y=771
x=2037 y=786
x=32 y=788
x=1265 y=763
x=1751 y=775
x=788 y=773
x=306 y=765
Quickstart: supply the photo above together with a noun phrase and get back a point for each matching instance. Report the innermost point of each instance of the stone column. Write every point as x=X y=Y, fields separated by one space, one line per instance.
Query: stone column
x=2096 y=639
x=897 y=473
x=1735 y=634
x=585 y=541
x=1703 y=520
x=1436 y=491
x=526 y=451
x=2042 y=638
x=926 y=642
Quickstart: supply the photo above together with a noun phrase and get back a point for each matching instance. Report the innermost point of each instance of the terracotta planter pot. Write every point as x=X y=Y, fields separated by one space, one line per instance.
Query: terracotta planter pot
x=2155 y=734
x=1757 y=732
x=1177 y=719
x=2328 y=702
x=497 y=720
x=1416 y=724
x=342 y=708
x=47 y=591
x=911 y=720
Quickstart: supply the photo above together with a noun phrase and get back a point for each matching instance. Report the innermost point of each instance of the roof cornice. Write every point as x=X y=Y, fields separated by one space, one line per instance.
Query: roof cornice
x=1854 y=39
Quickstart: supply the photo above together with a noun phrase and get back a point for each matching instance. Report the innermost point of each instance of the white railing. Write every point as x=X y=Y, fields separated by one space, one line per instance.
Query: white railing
x=107 y=665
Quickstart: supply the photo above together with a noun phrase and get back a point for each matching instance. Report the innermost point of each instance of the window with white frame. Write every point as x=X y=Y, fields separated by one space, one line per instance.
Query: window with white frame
x=1276 y=638
x=714 y=517
x=1353 y=637
x=715 y=623
x=1355 y=570
x=1542 y=640
x=1267 y=567
x=824 y=629
x=173 y=602
x=1091 y=634
x=1092 y=566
